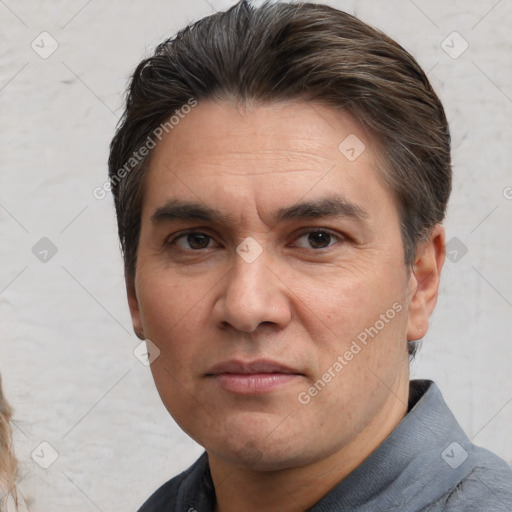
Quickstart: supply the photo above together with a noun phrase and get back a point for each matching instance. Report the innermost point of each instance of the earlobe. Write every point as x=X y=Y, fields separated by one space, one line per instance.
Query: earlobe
x=424 y=282
x=133 y=304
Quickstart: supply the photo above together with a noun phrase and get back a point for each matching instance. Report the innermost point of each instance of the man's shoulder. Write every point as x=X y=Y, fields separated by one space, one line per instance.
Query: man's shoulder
x=487 y=487
x=173 y=492
x=164 y=498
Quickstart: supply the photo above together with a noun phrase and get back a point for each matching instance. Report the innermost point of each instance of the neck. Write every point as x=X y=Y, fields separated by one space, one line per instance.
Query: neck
x=299 y=488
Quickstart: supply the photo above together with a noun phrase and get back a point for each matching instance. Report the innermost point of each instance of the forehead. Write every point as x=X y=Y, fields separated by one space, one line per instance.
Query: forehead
x=264 y=155
x=289 y=129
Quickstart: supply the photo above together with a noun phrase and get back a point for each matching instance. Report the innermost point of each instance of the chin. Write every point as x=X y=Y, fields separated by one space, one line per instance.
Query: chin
x=254 y=456
x=258 y=445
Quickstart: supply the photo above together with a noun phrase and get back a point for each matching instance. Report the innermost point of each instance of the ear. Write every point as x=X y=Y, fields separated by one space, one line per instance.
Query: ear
x=424 y=282
x=133 y=304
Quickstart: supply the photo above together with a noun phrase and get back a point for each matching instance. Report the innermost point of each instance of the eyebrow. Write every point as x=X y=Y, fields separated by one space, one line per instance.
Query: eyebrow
x=335 y=206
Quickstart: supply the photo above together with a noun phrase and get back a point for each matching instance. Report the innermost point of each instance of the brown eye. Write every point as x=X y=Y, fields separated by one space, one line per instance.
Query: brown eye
x=198 y=240
x=194 y=240
x=318 y=239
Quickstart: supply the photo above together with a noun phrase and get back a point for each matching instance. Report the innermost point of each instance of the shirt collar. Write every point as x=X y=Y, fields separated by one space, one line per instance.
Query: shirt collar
x=407 y=471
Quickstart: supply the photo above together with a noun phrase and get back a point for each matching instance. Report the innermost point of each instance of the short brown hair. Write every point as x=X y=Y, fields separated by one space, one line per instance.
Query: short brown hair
x=283 y=51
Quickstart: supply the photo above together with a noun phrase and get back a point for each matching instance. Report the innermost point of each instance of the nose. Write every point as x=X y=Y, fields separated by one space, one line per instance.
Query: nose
x=252 y=294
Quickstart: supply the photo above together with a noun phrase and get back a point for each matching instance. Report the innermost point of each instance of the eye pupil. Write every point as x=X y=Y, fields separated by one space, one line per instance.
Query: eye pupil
x=198 y=240
x=319 y=239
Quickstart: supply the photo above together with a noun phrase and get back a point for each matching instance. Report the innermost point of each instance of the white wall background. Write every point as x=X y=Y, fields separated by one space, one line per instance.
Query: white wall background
x=66 y=341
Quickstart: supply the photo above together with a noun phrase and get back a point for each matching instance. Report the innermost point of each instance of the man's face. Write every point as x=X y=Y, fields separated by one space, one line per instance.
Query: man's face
x=252 y=300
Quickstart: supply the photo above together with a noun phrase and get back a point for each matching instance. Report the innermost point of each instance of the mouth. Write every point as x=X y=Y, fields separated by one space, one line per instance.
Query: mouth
x=252 y=377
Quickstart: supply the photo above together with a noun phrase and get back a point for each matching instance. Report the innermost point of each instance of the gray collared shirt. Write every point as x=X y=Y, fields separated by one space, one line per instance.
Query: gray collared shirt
x=426 y=464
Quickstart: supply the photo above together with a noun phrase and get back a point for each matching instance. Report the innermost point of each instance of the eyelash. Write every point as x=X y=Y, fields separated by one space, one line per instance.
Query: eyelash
x=339 y=237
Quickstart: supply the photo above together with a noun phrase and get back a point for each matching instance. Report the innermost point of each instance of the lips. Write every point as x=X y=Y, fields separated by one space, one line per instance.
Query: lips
x=251 y=367
x=252 y=377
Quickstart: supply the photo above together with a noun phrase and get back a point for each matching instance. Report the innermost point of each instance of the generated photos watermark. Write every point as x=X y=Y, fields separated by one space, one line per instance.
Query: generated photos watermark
x=138 y=156
x=304 y=397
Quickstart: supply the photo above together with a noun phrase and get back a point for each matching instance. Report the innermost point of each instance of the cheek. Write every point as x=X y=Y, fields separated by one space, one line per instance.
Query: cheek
x=166 y=301
x=172 y=314
x=360 y=317
x=347 y=301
